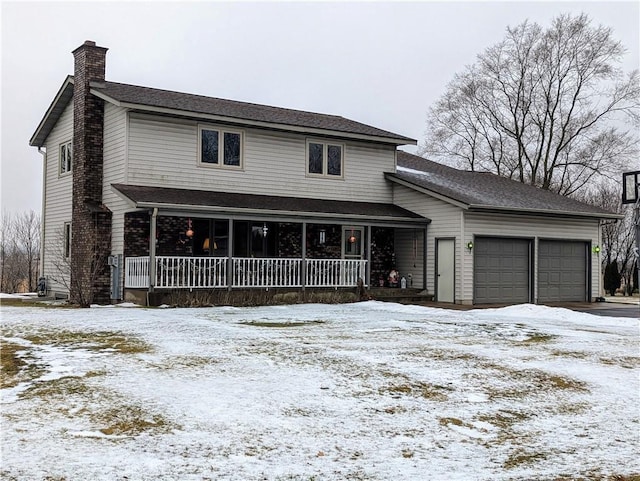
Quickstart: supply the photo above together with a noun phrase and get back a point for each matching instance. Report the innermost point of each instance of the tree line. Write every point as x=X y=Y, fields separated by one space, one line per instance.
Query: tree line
x=19 y=251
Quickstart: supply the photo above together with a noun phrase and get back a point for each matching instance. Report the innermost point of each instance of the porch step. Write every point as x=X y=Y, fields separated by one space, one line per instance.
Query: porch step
x=402 y=296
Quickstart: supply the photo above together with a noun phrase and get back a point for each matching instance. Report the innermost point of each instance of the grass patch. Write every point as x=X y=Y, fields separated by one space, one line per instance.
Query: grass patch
x=56 y=388
x=26 y=302
x=418 y=389
x=130 y=420
x=520 y=457
x=96 y=341
x=538 y=338
x=15 y=366
x=280 y=324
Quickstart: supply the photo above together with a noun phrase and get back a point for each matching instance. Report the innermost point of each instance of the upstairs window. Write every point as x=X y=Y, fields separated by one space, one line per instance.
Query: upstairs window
x=65 y=157
x=325 y=159
x=220 y=147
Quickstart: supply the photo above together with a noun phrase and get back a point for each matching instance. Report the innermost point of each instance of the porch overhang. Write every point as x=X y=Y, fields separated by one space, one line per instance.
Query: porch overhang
x=170 y=201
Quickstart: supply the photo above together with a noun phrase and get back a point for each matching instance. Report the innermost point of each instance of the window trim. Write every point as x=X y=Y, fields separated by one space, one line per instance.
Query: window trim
x=325 y=159
x=67 y=146
x=221 y=131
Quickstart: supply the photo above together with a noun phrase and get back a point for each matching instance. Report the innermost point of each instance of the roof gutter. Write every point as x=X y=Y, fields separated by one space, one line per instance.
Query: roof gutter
x=235 y=211
x=551 y=212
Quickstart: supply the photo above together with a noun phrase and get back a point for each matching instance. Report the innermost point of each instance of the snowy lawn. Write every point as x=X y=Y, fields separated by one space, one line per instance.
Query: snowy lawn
x=366 y=391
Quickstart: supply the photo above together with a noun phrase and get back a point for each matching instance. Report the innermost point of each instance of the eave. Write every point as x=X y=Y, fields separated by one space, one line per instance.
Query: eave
x=59 y=103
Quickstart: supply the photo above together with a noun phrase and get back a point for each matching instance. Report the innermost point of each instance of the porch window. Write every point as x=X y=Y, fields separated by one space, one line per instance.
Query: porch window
x=220 y=147
x=64 y=156
x=324 y=159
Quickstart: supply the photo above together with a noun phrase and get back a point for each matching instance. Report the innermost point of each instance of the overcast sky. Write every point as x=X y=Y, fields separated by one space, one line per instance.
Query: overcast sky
x=380 y=63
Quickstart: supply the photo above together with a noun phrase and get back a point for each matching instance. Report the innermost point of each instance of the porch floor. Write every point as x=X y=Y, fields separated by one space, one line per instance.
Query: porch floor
x=401 y=296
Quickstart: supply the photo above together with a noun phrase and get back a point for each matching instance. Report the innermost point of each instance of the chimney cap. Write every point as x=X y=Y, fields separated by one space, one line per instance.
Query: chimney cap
x=90 y=43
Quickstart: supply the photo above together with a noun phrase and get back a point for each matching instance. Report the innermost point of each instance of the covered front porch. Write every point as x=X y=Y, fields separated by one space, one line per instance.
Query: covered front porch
x=312 y=243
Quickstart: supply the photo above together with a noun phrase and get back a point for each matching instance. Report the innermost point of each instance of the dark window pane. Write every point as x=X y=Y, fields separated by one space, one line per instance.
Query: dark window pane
x=231 y=149
x=209 y=146
x=334 y=154
x=315 y=158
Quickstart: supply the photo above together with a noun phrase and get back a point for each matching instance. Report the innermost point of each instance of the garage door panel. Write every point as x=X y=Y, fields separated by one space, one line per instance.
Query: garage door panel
x=562 y=271
x=501 y=270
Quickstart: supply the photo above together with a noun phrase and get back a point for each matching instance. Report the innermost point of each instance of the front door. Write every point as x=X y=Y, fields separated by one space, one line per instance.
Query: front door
x=445 y=263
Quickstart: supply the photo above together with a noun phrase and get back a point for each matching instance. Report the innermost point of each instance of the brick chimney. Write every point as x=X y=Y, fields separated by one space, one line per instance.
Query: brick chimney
x=91 y=221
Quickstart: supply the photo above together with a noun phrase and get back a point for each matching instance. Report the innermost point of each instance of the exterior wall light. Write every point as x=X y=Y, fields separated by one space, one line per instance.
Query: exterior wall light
x=265 y=229
x=469 y=246
x=596 y=250
x=322 y=237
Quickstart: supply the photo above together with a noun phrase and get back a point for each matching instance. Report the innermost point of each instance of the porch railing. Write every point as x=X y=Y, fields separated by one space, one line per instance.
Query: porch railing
x=211 y=272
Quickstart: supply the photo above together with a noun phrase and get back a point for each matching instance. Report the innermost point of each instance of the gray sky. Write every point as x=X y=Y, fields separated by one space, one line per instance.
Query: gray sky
x=381 y=63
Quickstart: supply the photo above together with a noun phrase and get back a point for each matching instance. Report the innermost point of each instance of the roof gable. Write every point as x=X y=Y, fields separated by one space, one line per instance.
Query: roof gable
x=483 y=191
x=53 y=113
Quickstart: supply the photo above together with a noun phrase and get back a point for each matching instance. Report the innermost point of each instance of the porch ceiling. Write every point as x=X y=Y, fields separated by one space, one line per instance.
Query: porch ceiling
x=231 y=204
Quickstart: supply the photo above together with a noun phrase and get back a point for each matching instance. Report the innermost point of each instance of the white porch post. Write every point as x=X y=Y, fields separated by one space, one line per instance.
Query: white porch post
x=303 y=272
x=152 y=249
x=230 y=256
x=367 y=280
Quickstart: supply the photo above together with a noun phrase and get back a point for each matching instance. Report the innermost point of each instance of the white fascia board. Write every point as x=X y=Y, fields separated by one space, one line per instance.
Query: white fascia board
x=255 y=123
x=277 y=213
x=554 y=213
x=68 y=81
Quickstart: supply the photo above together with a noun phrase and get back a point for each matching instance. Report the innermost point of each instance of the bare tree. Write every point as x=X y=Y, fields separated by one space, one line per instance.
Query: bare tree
x=543 y=106
x=618 y=237
x=27 y=246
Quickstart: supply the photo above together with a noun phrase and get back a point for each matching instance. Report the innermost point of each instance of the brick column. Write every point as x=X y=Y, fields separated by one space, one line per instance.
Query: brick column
x=91 y=221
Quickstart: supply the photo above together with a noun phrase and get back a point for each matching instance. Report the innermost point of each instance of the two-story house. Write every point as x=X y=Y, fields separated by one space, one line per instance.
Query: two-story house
x=150 y=191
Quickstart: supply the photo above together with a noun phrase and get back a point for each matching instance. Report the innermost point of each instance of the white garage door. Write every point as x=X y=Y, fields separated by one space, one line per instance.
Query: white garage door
x=562 y=271
x=501 y=270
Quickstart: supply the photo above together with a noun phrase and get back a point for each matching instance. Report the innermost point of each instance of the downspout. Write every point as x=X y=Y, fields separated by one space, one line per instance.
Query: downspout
x=44 y=197
x=152 y=250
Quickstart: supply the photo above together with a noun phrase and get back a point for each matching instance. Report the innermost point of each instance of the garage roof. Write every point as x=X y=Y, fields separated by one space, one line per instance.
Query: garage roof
x=483 y=191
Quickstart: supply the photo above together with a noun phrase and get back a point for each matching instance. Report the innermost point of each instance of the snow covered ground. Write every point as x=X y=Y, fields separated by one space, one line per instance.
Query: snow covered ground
x=365 y=391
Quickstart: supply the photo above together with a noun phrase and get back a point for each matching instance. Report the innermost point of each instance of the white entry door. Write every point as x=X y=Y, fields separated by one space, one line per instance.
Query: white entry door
x=445 y=269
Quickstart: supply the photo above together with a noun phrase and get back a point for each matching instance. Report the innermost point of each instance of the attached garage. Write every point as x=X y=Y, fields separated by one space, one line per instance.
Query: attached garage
x=563 y=271
x=502 y=270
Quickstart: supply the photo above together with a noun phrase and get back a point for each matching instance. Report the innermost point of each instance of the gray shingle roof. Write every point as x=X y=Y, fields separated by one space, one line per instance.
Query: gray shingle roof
x=232 y=109
x=145 y=196
x=486 y=191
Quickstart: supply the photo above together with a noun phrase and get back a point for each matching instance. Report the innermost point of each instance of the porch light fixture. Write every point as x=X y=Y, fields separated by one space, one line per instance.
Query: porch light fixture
x=189 y=232
x=596 y=250
x=469 y=246
x=322 y=236
x=352 y=239
x=265 y=229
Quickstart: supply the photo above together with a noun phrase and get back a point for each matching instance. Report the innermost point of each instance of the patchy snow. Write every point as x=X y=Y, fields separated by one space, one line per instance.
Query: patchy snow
x=366 y=391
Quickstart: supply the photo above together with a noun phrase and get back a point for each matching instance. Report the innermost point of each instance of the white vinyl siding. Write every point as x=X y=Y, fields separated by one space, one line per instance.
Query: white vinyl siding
x=164 y=153
x=445 y=223
x=115 y=171
x=536 y=228
x=56 y=204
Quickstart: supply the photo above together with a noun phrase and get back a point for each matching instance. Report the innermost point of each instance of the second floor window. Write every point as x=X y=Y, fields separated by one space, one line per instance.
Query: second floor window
x=324 y=159
x=220 y=147
x=65 y=157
